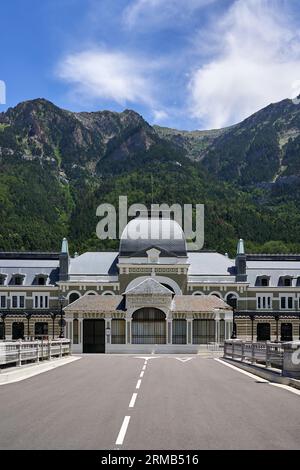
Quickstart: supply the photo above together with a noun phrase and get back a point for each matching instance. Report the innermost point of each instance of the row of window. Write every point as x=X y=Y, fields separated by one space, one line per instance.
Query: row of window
x=284 y=281
x=18 y=301
x=286 y=302
x=18 y=279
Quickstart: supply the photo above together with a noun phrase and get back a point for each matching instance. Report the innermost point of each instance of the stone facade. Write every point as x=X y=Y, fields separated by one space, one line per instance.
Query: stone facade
x=263 y=290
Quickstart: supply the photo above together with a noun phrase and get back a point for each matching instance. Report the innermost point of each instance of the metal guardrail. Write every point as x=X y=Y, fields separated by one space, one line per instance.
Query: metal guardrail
x=18 y=352
x=271 y=354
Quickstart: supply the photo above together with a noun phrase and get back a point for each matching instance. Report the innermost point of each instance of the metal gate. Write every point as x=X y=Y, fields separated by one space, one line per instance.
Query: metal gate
x=148 y=326
x=94 y=336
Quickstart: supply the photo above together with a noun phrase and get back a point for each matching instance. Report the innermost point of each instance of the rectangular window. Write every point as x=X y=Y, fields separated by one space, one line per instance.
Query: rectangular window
x=41 y=301
x=287 y=302
x=264 y=302
x=3 y=301
x=18 y=301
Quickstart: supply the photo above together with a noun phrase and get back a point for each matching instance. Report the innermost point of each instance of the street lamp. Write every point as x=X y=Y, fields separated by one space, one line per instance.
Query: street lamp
x=61 y=300
x=53 y=316
x=232 y=301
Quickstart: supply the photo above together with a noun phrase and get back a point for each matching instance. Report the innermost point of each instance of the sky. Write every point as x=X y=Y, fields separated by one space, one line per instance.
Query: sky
x=186 y=64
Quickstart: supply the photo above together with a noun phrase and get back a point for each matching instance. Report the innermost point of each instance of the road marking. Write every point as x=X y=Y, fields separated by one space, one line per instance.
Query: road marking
x=142 y=374
x=146 y=358
x=132 y=401
x=138 y=384
x=184 y=359
x=144 y=366
x=286 y=387
x=252 y=376
x=123 y=431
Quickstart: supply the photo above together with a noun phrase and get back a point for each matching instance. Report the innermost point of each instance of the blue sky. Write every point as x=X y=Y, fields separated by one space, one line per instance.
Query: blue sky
x=188 y=64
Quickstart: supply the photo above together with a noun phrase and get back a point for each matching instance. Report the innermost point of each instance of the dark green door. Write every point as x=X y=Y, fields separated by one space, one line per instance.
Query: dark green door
x=93 y=336
x=286 y=332
x=18 y=330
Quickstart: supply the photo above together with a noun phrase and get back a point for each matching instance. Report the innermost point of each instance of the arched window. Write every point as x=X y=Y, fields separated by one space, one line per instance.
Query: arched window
x=73 y=297
x=231 y=300
x=75 y=331
x=148 y=326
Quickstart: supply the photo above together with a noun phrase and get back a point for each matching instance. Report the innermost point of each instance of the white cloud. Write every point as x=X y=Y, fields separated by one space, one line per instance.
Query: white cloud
x=110 y=76
x=159 y=12
x=160 y=115
x=256 y=61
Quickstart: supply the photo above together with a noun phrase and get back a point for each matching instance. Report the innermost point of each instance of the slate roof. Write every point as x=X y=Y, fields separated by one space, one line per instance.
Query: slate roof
x=97 y=304
x=94 y=263
x=210 y=263
x=198 y=303
x=113 y=304
x=29 y=269
x=273 y=269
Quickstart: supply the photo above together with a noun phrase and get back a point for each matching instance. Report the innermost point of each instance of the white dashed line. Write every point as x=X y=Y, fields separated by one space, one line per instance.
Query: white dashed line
x=142 y=374
x=132 y=401
x=144 y=367
x=138 y=384
x=123 y=431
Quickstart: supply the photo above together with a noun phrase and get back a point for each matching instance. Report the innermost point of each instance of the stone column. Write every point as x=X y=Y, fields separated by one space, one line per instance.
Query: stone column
x=107 y=325
x=80 y=332
x=217 y=328
x=128 y=330
x=169 y=331
x=189 y=331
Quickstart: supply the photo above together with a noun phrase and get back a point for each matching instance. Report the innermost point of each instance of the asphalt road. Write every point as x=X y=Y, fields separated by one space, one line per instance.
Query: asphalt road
x=196 y=404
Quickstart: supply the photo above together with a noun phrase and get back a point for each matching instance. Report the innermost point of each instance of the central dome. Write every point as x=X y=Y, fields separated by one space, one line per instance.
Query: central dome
x=142 y=234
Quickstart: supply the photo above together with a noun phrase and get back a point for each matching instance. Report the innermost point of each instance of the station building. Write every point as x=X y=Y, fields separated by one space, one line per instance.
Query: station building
x=150 y=296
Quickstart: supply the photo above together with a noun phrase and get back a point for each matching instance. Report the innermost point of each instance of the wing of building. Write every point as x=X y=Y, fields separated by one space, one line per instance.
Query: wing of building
x=150 y=295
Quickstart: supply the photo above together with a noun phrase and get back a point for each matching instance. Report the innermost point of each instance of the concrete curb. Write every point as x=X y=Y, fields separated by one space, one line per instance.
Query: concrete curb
x=264 y=373
x=25 y=372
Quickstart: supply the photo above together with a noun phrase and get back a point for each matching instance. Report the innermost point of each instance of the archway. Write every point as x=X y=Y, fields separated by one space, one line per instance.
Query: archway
x=148 y=326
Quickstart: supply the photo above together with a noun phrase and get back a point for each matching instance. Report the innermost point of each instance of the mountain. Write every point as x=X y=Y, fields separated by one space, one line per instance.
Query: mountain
x=57 y=166
x=263 y=148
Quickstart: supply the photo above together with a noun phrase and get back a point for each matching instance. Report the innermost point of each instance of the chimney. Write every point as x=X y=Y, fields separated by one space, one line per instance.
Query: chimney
x=64 y=261
x=240 y=262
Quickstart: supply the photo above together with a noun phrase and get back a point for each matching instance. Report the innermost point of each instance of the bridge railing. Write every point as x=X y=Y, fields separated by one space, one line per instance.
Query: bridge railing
x=19 y=352
x=284 y=356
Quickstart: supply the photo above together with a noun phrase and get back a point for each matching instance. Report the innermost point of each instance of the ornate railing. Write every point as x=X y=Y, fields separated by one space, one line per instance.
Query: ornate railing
x=18 y=352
